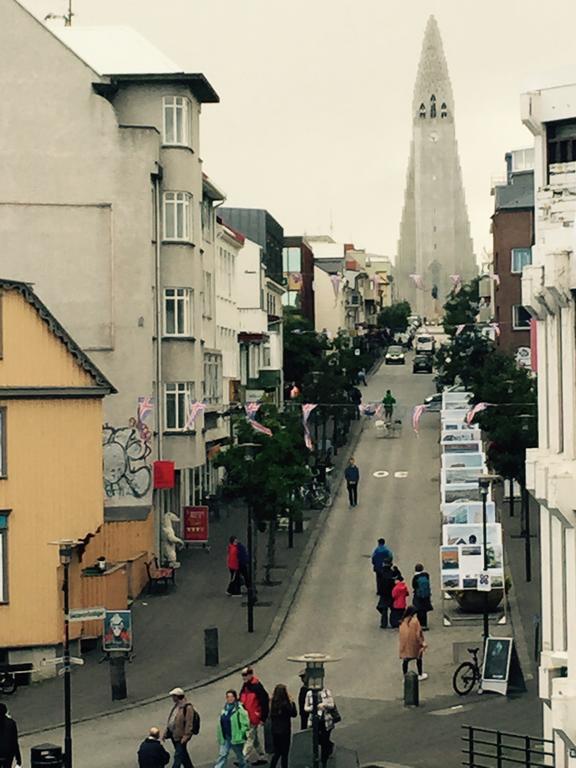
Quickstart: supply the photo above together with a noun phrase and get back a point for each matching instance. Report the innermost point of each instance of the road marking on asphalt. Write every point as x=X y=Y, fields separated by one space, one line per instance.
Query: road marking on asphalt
x=381 y=473
x=401 y=474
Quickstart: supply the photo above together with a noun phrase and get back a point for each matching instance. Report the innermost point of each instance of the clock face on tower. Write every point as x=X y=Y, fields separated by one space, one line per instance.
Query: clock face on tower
x=433 y=137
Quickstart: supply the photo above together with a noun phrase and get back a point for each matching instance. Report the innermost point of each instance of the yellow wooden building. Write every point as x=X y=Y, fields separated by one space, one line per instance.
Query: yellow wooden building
x=50 y=472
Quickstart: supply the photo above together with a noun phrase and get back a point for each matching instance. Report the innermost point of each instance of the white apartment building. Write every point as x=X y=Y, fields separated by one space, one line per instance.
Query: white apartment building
x=105 y=209
x=229 y=244
x=549 y=292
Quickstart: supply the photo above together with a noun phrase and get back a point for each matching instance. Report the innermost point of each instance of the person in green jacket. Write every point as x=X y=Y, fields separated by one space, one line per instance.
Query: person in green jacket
x=233 y=727
x=389 y=401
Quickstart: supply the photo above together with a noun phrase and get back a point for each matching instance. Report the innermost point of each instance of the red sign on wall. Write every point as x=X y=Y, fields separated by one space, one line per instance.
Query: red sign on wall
x=195 y=524
x=163 y=474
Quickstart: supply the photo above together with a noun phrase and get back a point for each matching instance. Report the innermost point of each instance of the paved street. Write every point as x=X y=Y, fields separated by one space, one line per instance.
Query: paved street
x=335 y=613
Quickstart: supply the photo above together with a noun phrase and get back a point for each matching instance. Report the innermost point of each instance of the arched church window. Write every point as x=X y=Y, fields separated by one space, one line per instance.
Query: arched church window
x=422 y=111
x=443 y=110
x=432 y=106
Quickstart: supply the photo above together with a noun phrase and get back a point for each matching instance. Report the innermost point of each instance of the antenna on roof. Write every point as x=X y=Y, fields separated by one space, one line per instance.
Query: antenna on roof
x=331 y=223
x=67 y=16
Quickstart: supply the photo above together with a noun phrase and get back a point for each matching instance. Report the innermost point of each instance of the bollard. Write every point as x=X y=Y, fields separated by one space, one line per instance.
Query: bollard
x=46 y=755
x=211 y=656
x=118 y=676
x=411 y=696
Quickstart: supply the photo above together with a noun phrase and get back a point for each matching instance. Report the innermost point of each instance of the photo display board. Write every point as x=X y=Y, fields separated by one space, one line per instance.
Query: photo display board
x=463 y=461
x=462 y=556
x=467 y=512
x=496 y=664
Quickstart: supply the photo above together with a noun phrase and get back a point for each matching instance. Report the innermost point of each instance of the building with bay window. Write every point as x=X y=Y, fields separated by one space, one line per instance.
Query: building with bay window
x=549 y=293
x=105 y=207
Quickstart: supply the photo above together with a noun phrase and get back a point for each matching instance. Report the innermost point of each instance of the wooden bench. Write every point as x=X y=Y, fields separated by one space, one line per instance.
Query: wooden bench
x=158 y=576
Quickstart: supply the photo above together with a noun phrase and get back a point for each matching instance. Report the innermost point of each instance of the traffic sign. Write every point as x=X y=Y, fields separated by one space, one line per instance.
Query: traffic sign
x=86 y=614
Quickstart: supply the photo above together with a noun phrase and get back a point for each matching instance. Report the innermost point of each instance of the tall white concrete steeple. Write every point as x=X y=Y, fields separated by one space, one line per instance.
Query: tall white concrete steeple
x=434 y=233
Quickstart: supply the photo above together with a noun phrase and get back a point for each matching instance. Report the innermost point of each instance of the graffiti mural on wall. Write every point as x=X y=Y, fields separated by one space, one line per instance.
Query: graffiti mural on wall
x=126 y=472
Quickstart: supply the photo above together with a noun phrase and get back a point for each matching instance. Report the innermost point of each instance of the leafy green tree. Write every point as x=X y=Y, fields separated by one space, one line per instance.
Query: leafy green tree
x=303 y=348
x=462 y=357
x=461 y=307
x=395 y=317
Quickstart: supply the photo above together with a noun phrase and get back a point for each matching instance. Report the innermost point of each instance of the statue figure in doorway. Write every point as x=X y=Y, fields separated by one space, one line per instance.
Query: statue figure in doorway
x=169 y=540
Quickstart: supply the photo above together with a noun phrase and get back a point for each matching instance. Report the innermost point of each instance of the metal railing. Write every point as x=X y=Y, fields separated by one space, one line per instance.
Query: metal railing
x=487 y=748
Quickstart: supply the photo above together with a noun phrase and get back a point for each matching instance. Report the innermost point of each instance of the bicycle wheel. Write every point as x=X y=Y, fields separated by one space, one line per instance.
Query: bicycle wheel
x=464 y=678
x=7 y=683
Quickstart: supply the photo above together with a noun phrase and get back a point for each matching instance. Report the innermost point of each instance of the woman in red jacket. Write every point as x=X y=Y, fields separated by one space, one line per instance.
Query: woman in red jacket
x=233 y=563
x=400 y=594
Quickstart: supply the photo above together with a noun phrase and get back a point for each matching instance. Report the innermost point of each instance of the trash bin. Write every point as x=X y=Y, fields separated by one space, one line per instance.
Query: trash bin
x=46 y=755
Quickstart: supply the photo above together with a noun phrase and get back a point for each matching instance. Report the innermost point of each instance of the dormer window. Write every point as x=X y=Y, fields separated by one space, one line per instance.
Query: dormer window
x=443 y=110
x=432 y=106
x=422 y=111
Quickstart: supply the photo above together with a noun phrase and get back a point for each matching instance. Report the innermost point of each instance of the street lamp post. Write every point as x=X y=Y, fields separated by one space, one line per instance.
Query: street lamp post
x=250 y=451
x=65 y=552
x=484 y=482
x=315 y=682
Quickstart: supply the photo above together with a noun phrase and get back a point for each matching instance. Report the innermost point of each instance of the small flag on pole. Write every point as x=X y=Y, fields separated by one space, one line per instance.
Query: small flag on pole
x=307 y=409
x=478 y=408
x=261 y=428
x=251 y=410
x=195 y=410
x=145 y=405
x=459 y=329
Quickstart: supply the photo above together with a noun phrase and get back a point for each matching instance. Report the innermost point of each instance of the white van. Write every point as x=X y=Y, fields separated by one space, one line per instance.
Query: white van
x=424 y=343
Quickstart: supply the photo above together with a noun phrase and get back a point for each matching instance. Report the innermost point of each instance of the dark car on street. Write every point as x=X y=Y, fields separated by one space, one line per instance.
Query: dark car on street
x=422 y=364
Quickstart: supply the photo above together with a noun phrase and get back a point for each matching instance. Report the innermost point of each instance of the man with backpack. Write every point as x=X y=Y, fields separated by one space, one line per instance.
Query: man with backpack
x=183 y=723
x=422 y=597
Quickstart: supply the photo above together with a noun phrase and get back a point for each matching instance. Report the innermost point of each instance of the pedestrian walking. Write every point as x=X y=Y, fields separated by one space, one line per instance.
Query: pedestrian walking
x=388 y=401
x=302 y=700
x=381 y=556
x=180 y=728
x=282 y=710
x=233 y=563
x=151 y=753
x=411 y=642
x=422 y=597
x=256 y=702
x=352 y=476
x=356 y=397
x=362 y=377
x=244 y=563
x=9 y=747
x=326 y=712
x=400 y=594
x=232 y=730
x=385 y=586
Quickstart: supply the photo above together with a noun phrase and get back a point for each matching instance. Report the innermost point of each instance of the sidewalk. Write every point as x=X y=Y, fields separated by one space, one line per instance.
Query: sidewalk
x=169 y=627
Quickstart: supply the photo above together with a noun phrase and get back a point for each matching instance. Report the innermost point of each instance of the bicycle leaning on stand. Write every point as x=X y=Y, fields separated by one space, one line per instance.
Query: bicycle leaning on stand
x=468 y=674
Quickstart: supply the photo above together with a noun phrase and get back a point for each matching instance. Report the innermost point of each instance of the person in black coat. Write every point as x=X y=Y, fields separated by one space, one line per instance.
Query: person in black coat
x=151 y=753
x=282 y=710
x=302 y=701
x=386 y=581
x=9 y=747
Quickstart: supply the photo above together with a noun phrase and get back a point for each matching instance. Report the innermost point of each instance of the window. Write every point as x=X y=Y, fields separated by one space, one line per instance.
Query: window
x=177 y=122
x=422 y=111
x=2 y=442
x=292 y=258
x=178 y=311
x=212 y=378
x=207 y=295
x=177 y=216
x=177 y=399
x=207 y=219
x=266 y=356
x=226 y=267
x=520 y=318
x=521 y=257
x=432 y=106
x=443 y=110
x=4 y=555
x=561 y=138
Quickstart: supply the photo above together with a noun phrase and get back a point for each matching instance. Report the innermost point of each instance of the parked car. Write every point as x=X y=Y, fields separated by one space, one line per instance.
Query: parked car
x=395 y=356
x=424 y=343
x=422 y=364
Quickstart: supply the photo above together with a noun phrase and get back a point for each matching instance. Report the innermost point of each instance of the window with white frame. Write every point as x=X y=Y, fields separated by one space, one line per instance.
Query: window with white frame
x=177 y=216
x=3 y=556
x=212 y=378
x=207 y=217
x=178 y=311
x=3 y=470
x=521 y=257
x=520 y=318
x=178 y=397
x=266 y=356
x=207 y=295
x=177 y=121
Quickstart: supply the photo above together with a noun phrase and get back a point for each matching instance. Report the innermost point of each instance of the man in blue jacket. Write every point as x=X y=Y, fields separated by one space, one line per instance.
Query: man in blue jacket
x=381 y=557
x=352 y=475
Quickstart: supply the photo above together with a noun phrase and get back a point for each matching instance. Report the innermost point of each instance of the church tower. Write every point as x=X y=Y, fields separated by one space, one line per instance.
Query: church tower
x=435 y=237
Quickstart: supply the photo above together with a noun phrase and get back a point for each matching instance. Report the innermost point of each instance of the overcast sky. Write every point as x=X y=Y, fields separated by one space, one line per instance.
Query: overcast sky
x=314 y=122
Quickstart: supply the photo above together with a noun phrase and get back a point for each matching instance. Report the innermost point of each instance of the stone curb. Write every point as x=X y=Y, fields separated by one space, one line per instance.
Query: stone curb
x=273 y=634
